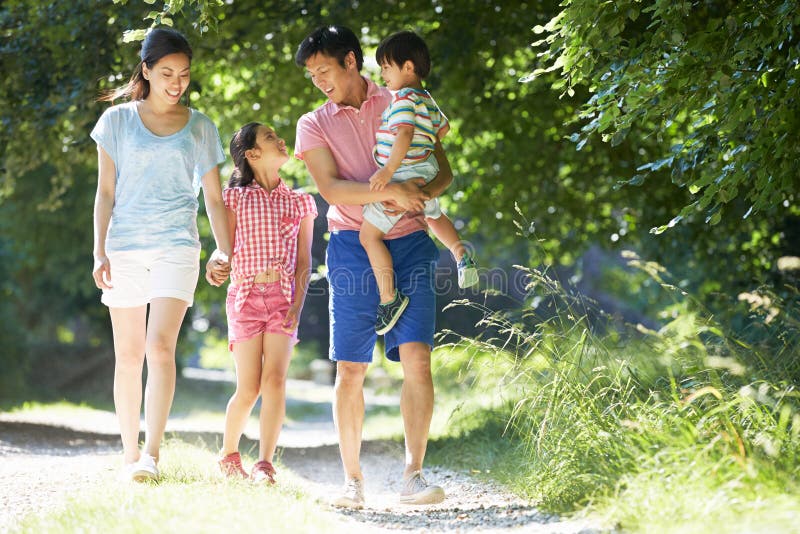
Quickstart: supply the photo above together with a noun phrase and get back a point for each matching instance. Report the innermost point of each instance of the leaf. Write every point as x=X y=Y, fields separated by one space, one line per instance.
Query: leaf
x=130 y=36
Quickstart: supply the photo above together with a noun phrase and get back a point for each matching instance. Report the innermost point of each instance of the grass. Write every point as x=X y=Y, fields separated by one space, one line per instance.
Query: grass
x=190 y=498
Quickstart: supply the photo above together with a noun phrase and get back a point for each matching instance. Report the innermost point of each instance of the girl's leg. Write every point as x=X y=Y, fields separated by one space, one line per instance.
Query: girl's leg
x=445 y=232
x=163 y=326
x=247 y=357
x=379 y=258
x=277 y=353
x=129 y=326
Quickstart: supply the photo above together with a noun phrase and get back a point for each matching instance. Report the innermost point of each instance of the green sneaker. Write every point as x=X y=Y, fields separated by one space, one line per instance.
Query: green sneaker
x=388 y=314
x=467 y=272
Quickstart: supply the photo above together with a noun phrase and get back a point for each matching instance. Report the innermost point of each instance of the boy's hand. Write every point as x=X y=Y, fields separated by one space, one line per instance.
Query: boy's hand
x=379 y=180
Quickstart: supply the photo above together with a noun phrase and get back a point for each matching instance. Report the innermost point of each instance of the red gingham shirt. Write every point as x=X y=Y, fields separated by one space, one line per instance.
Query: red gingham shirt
x=267 y=226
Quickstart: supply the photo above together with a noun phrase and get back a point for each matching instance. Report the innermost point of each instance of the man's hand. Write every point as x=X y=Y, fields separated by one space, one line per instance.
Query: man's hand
x=408 y=196
x=379 y=180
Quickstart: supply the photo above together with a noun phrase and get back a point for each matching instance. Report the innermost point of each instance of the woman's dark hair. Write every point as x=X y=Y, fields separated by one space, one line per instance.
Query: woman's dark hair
x=158 y=43
x=333 y=41
x=243 y=140
x=405 y=46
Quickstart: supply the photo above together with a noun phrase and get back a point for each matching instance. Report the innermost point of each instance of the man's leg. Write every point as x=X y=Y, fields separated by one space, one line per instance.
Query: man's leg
x=348 y=415
x=416 y=402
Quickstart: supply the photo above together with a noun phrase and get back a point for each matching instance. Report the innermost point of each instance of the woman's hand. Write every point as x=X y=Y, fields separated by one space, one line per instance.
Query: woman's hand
x=102 y=272
x=218 y=268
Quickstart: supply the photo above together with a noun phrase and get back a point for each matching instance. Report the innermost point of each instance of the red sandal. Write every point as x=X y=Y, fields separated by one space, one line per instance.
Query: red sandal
x=231 y=466
x=263 y=472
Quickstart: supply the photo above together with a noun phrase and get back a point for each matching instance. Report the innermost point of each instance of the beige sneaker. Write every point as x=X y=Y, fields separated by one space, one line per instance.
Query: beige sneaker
x=352 y=496
x=416 y=490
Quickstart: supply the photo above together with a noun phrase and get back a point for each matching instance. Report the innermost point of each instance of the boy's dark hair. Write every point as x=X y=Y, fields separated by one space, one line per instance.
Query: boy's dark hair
x=333 y=41
x=405 y=46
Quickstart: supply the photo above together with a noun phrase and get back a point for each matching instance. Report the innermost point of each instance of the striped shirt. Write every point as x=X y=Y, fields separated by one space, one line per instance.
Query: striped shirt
x=267 y=226
x=412 y=107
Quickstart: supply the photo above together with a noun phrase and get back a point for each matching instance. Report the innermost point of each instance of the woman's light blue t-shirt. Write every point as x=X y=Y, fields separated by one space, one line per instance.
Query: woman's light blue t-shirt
x=158 y=178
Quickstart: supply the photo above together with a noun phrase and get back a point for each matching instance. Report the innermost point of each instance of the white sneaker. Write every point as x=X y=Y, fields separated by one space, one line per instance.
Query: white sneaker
x=145 y=469
x=352 y=496
x=416 y=490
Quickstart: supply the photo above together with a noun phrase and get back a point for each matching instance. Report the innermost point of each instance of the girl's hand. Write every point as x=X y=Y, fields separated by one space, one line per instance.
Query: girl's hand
x=291 y=320
x=218 y=268
x=102 y=272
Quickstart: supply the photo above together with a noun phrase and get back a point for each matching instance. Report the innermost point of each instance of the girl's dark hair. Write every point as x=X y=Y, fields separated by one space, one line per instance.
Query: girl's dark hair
x=243 y=140
x=158 y=43
x=333 y=41
x=405 y=46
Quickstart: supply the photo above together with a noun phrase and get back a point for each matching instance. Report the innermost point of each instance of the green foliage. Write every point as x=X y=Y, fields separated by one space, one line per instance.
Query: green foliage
x=705 y=90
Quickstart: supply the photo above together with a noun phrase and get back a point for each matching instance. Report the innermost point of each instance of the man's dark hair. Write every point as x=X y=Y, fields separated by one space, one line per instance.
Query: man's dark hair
x=405 y=46
x=333 y=41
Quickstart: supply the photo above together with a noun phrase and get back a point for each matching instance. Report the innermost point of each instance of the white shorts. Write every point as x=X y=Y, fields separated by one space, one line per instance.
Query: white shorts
x=138 y=276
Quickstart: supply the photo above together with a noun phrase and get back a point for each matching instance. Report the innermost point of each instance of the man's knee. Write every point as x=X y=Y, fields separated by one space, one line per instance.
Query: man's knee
x=350 y=374
x=416 y=360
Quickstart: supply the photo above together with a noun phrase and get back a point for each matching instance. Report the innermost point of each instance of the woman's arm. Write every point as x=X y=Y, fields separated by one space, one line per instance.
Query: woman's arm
x=334 y=190
x=219 y=218
x=302 y=273
x=103 y=204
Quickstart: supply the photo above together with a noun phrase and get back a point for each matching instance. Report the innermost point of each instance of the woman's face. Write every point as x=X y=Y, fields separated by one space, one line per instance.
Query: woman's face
x=169 y=77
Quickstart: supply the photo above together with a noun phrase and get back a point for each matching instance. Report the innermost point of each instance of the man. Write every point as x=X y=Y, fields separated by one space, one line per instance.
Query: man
x=336 y=143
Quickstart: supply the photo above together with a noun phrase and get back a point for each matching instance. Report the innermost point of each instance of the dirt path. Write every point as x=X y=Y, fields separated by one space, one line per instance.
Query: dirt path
x=44 y=459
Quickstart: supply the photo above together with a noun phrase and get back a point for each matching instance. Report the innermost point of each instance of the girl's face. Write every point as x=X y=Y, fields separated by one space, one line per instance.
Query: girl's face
x=269 y=150
x=169 y=77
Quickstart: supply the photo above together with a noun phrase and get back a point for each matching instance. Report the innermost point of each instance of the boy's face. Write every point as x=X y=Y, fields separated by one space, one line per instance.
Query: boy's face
x=392 y=75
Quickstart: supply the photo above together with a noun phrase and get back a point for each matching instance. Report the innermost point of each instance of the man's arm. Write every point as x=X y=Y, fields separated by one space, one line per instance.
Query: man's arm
x=444 y=177
x=320 y=163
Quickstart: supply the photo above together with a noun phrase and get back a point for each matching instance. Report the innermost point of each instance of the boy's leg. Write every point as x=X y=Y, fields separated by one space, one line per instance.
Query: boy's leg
x=129 y=326
x=277 y=353
x=445 y=232
x=371 y=239
x=247 y=358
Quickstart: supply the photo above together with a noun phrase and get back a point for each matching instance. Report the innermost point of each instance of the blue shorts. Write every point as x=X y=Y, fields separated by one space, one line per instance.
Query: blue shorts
x=353 y=302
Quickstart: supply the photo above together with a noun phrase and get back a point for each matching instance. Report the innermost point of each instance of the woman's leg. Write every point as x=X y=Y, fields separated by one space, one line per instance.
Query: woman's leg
x=163 y=326
x=247 y=357
x=277 y=354
x=129 y=345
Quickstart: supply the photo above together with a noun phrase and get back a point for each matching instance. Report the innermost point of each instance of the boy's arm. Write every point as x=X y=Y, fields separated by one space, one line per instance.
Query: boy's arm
x=322 y=167
x=400 y=146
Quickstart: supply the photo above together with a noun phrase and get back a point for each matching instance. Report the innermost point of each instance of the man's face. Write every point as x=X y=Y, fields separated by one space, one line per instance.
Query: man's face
x=330 y=77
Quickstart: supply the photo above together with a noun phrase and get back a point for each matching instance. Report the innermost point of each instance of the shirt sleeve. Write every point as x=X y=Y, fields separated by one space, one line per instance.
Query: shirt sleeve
x=309 y=136
x=230 y=196
x=103 y=134
x=209 y=153
x=306 y=205
x=402 y=110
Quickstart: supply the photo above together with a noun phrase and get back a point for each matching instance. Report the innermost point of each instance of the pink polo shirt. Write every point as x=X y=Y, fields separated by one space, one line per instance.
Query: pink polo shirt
x=349 y=134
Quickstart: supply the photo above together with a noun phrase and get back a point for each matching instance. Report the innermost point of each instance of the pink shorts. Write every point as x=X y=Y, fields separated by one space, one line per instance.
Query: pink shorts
x=263 y=313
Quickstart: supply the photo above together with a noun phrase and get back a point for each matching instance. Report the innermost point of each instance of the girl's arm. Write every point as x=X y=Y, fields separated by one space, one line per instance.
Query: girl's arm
x=103 y=204
x=302 y=273
x=220 y=226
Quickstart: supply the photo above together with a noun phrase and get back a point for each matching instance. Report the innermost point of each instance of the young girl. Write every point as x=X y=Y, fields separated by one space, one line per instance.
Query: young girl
x=272 y=228
x=154 y=154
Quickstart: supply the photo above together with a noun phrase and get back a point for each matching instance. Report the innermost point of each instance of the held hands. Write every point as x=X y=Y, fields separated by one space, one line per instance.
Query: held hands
x=102 y=272
x=218 y=268
x=289 y=324
x=408 y=196
x=378 y=181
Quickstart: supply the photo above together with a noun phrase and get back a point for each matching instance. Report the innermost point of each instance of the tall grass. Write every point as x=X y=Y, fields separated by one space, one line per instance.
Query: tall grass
x=657 y=429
